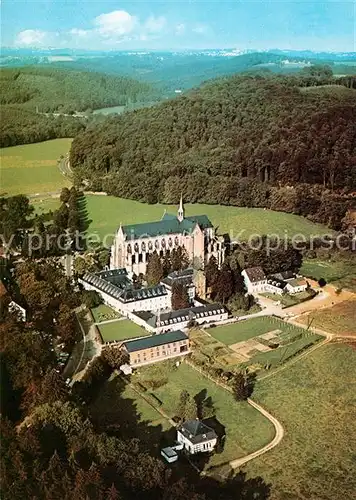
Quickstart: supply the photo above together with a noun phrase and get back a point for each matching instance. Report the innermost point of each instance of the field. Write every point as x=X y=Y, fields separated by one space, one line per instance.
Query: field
x=249 y=342
x=315 y=400
x=32 y=168
x=106 y=213
x=340 y=318
x=246 y=429
x=249 y=328
x=341 y=273
x=104 y=313
x=121 y=330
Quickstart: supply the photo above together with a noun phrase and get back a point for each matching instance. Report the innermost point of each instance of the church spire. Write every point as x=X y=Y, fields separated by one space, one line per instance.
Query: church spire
x=180 y=210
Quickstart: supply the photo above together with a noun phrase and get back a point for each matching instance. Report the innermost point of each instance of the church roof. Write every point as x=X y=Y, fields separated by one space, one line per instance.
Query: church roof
x=169 y=224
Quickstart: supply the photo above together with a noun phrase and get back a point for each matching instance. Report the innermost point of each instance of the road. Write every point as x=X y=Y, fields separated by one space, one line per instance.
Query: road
x=85 y=350
x=235 y=464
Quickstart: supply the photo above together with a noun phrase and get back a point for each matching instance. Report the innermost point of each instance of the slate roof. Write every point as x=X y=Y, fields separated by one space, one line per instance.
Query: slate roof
x=197 y=432
x=169 y=224
x=185 y=277
x=284 y=275
x=255 y=274
x=181 y=315
x=154 y=341
x=123 y=291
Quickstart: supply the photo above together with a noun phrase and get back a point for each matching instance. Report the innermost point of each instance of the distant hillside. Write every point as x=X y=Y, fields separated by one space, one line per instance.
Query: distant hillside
x=47 y=90
x=233 y=141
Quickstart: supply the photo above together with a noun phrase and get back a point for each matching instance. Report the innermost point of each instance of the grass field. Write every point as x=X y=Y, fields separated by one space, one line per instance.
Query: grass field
x=341 y=273
x=246 y=429
x=104 y=313
x=315 y=400
x=121 y=330
x=32 y=168
x=340 y=318
x=249 y=328
x=106 y=213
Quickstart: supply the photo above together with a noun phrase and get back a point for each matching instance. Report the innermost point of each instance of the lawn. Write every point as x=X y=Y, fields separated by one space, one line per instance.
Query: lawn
x=341 y=273
x=104 y=313
x=121 y=330
x=246 y=429
x=249 y=328
x=32 y=168
x=106 y=212
x=340 y=318
x=315 y=400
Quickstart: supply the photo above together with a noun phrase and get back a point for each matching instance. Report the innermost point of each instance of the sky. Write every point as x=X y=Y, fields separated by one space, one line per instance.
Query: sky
x=320 y=25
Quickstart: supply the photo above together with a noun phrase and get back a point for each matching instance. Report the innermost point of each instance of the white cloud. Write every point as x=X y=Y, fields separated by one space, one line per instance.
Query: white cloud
x=108 y=30
x=79 y=32
x=180 y=29
x=116 y=23
x=32 y=38
x=201 y=29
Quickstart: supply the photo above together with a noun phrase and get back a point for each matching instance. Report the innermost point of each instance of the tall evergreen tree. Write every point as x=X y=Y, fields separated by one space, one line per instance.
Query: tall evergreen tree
x=154 y=270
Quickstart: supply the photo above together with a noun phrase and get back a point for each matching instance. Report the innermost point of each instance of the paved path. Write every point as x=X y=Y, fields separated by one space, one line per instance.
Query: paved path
x=279 y=431
x=235 y=464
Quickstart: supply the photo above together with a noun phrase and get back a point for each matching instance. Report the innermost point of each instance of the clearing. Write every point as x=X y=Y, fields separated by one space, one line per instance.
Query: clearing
x=32 y=168
x=121 y=330
x=315 y=400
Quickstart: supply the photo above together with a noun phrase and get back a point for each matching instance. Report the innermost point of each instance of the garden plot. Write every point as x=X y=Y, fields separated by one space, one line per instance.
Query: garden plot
x=248 y=348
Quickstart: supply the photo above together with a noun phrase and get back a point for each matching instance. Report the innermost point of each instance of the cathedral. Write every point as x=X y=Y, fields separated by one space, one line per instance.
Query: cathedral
x=133 y=243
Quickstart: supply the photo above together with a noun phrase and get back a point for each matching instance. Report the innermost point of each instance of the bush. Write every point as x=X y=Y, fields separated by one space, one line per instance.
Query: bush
x=156 y=383
x=322 y=282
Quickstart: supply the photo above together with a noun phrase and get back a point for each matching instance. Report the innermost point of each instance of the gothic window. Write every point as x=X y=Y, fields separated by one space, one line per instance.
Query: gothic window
x=157 y=244
x=136 y=247
x=163 y=243
x=170 y=242
x=143 y=246
x=129 y=249
x=176 y=241
x=150 y=246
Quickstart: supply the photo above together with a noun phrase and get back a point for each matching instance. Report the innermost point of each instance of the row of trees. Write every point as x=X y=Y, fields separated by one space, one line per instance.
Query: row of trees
x=158 y=267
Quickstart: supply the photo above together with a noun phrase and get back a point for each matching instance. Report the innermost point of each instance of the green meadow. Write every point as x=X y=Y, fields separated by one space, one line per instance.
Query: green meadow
x=32 y=168
x=315 y=400
x=105 y=213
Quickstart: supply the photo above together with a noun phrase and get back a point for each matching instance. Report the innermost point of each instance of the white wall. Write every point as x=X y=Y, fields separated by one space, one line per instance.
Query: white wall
x=196 y=448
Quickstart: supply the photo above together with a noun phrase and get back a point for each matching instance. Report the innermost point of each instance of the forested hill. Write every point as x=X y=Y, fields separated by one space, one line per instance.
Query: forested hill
x=29 y=92
x=230 y=142
x=67 y=91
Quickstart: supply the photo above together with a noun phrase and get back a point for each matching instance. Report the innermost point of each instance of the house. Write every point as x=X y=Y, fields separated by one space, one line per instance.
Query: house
x=196 y=436
x=118 y=291
x=296 y=285
x=185 y=277
x=134 y=243
x=171 y=320
x=255 y=279
x=156 y=348
x=275 y=285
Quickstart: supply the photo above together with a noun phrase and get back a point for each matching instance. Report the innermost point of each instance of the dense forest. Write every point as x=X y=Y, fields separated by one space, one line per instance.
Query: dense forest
x=29 y=92
x=282 y=142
